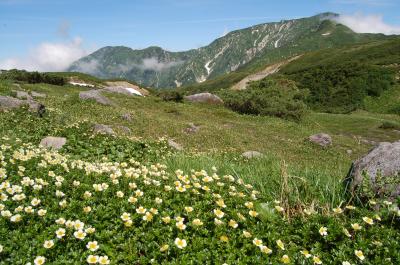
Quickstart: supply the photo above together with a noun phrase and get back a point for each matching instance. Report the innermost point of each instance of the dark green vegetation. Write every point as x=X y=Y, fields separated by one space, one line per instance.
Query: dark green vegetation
x=224 y=61
x=268 y=97
x=32 y=77
x=339 y=80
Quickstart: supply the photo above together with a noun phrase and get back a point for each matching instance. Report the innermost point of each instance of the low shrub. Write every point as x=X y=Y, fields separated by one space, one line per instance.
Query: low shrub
x=390 y=125
x=170 y=95
x=32 y=77
x=272 y=97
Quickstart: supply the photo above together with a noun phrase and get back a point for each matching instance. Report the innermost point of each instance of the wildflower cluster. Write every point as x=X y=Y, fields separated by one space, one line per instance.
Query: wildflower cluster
x=134 y=213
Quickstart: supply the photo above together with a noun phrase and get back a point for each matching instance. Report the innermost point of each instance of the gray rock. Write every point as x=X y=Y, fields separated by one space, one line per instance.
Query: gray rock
x=124 y=129
x=252 y=154
x=191 y=129
x=382 y=160
x=103 y=129
x=94 y=95
x=175 y=145
x=38 y=95
x=53 y=142
x=126 y=116
x=321 y=139
x=22 y=94
x=8 y=103
x=205 y=98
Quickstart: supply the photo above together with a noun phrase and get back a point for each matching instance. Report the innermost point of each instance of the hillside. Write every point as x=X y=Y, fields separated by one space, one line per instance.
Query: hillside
x=245 y=50
x=127 y=196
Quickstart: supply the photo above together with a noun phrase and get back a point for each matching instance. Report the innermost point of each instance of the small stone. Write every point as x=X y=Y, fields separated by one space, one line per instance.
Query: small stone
x=252 y=154
x=126 y=116
x=53 y=142
x=124 y=129
x=191 y=129
x=321 y=139
x=103 y=129
x=175 y=145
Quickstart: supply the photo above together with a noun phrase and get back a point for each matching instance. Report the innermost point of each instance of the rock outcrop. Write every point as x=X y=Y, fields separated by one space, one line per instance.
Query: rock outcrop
x=95 y=94
x=382 y=166
x=8 y=103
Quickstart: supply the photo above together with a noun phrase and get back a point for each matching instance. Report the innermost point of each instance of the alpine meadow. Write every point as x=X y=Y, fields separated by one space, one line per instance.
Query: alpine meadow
x=277 y=143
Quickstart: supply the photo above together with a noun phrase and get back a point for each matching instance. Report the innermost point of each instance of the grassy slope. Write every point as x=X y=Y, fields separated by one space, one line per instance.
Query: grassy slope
x=224 y=135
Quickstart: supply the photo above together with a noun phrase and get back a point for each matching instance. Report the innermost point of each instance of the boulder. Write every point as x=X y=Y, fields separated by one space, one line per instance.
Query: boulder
x=191 y=129
x=383 y=161
x=321 y=139
x=205 y=98
x=103 y=129
x=252 y=154
x=94 y=95
x=53 y=142
x=175 y=145
x=8 y=103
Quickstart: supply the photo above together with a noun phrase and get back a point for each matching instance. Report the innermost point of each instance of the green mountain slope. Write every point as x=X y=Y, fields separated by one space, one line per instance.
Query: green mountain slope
x=241 y=50
x=341 y=79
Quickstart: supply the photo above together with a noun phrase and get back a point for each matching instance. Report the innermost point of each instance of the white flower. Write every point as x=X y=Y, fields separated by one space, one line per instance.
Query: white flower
x=39 y=260
x=42 y=212
x=180 y=243
x=92 y=246
x=48 y=244
x=103 y=260
x=91 y=259
x=80 y=234
x=323 y=231
x=60 y=233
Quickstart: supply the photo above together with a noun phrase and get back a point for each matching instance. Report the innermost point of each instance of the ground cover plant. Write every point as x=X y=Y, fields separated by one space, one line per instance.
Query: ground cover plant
x=127 y=212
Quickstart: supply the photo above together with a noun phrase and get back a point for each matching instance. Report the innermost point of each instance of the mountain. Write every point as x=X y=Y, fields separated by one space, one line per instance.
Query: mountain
x=240 y=50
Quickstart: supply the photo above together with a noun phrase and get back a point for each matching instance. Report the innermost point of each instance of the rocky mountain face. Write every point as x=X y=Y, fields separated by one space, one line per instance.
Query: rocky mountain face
x=264 y=43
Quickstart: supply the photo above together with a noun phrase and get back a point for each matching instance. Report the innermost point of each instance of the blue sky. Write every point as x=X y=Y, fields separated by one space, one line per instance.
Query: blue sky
x=28 y=25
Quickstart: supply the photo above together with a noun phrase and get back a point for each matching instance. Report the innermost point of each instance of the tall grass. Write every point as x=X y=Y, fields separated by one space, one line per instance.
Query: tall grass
x=273 y=178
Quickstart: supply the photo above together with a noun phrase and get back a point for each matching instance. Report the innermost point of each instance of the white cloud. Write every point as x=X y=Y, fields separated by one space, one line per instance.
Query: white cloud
x=48 y=57
x=367 y=24
x=90 y=67
x=365 y=2
x=154 y=64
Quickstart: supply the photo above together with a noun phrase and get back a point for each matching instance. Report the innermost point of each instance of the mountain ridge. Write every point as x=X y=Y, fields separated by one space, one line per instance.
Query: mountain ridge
x=262 y=43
